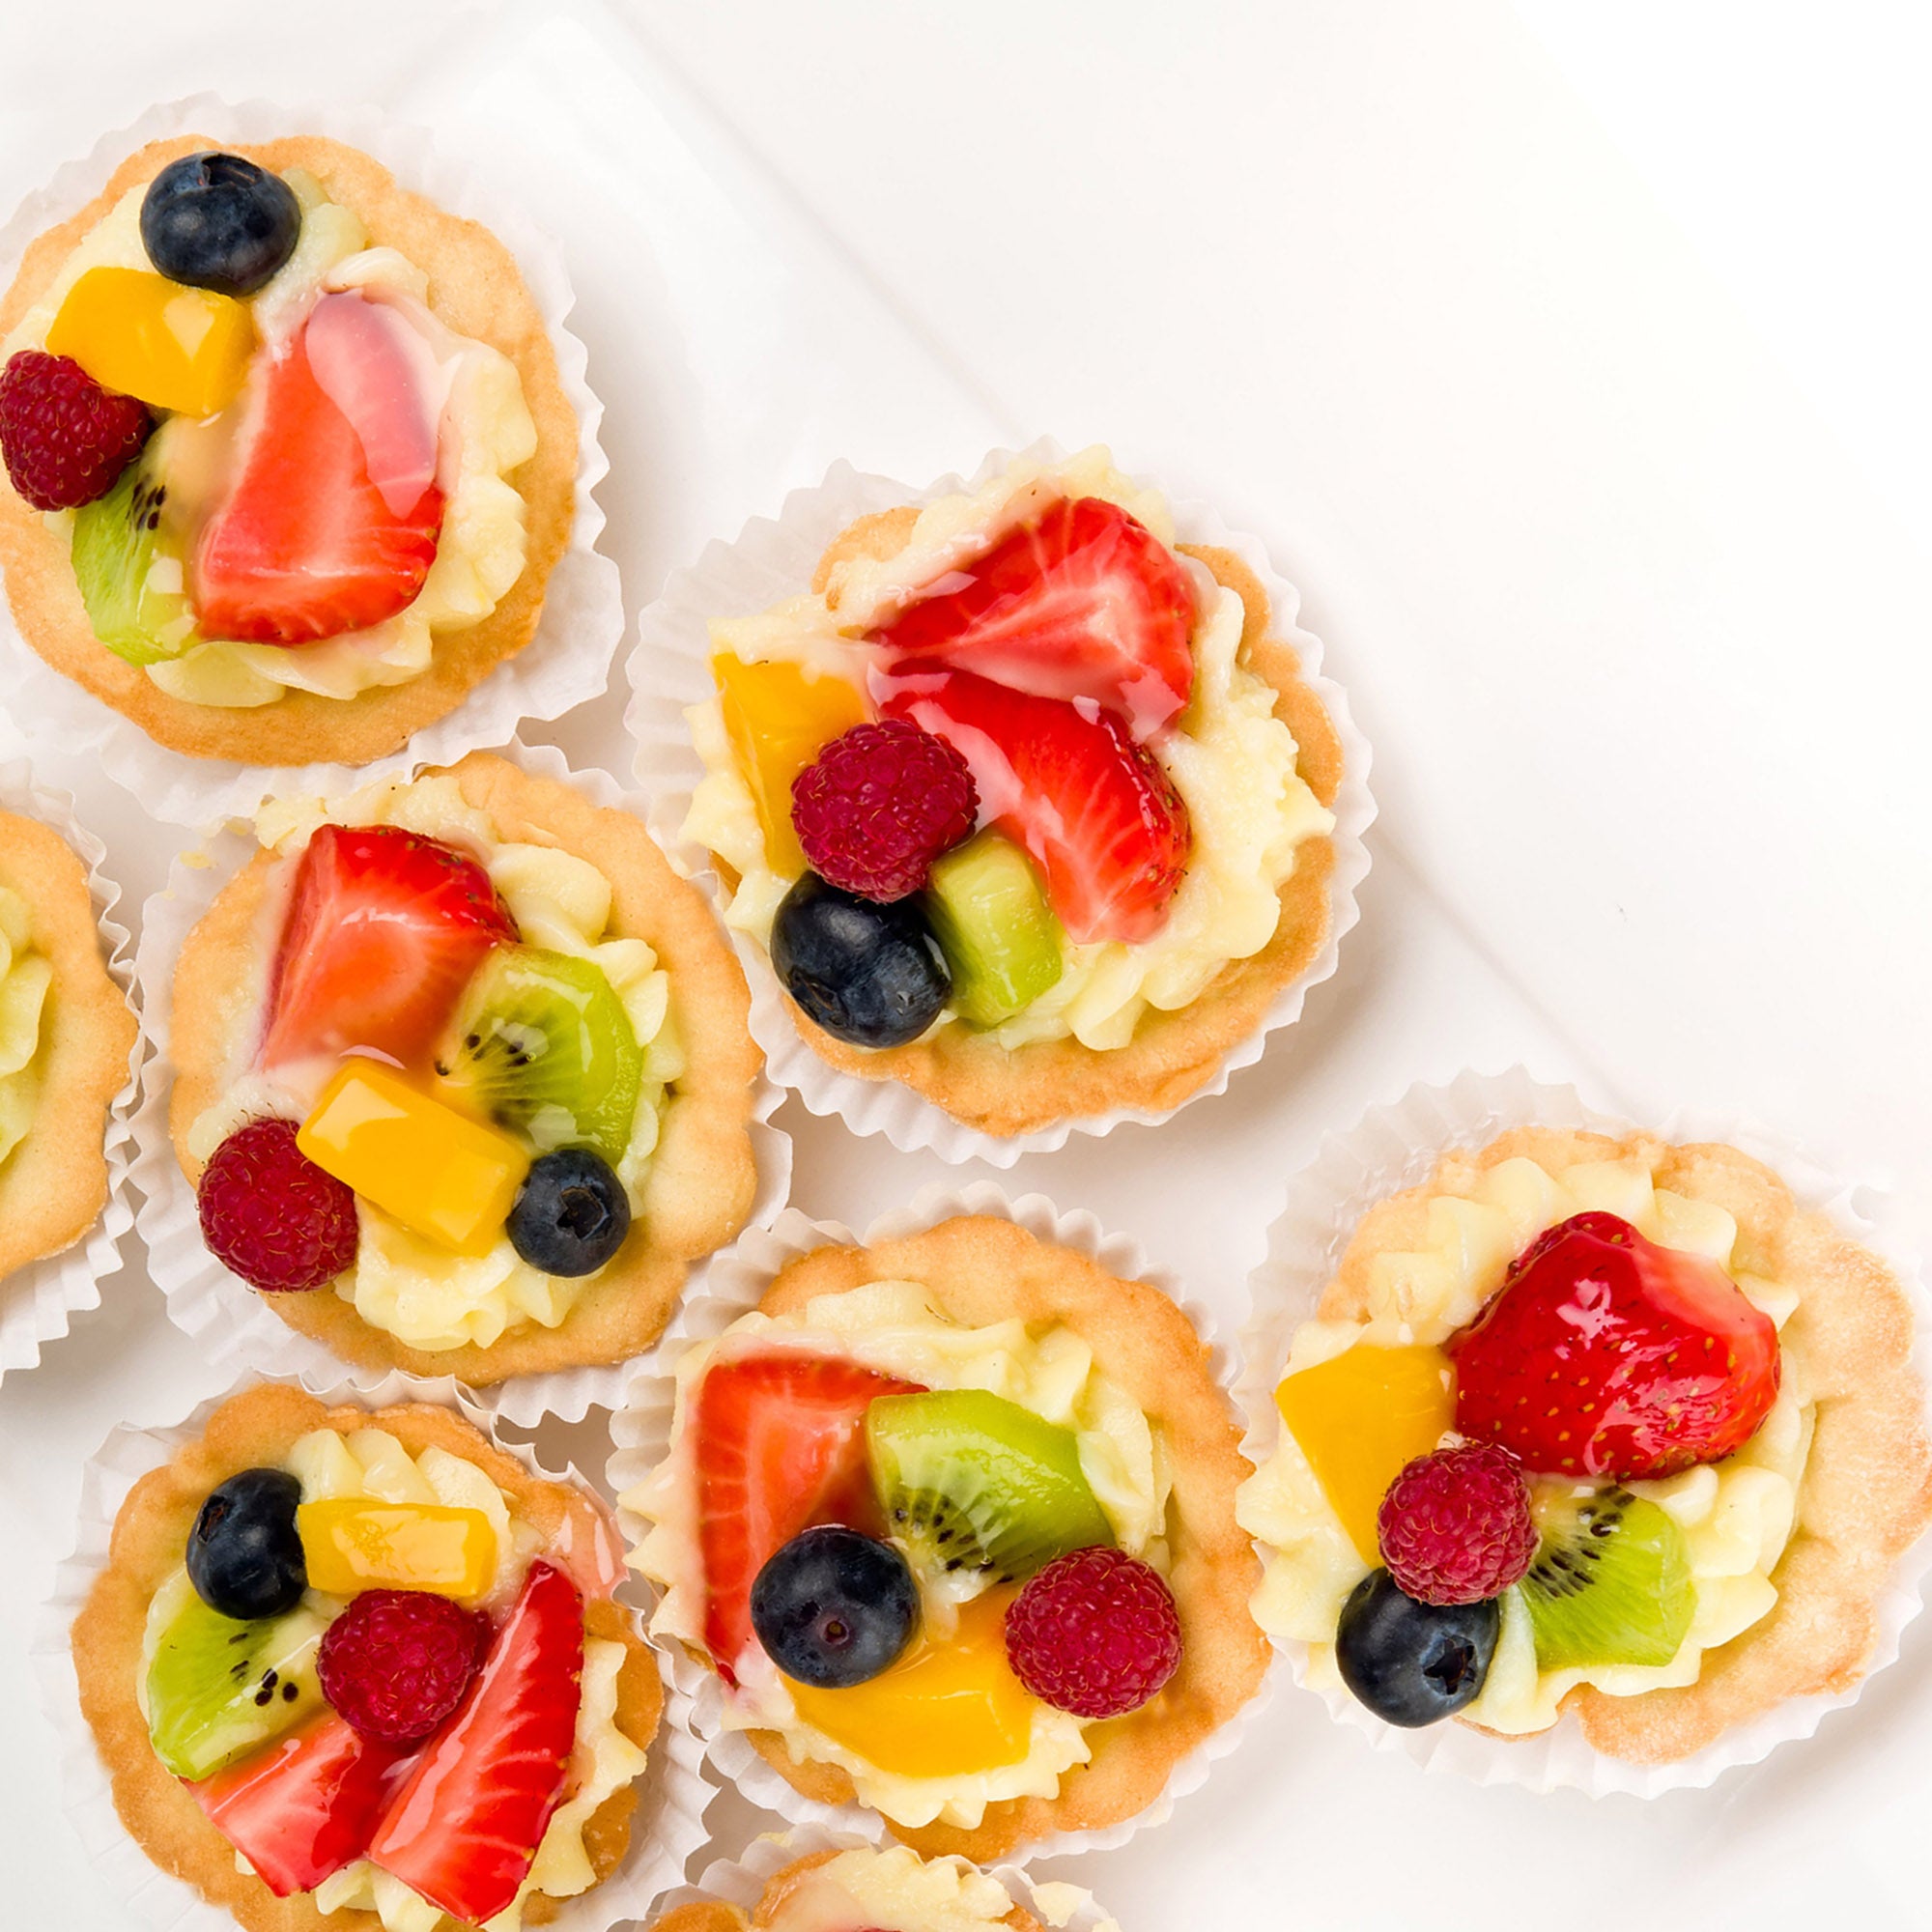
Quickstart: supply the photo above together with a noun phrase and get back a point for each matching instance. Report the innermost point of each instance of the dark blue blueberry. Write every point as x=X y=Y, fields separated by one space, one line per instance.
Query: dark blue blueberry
x=869 y=974
x=1409 y=1663
x=572 y=1213
x=834 y=1608
x=245 y=1555
x=215 y=222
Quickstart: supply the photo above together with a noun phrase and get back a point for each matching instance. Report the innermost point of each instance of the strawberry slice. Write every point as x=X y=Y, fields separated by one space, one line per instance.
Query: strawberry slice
x=383 y=933
x=1604 y=1354
x=1081 y=601
x=1100 y=816
x=466 y=1826
x=781 y=1448
x=306 y=1805
x=332 y=522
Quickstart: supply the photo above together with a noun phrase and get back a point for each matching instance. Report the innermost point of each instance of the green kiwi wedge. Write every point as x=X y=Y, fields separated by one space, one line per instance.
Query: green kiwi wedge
x=542 y=1044
x=1611 y=1579
x=127 y=559
x=976 y=1487
x=1000 y=940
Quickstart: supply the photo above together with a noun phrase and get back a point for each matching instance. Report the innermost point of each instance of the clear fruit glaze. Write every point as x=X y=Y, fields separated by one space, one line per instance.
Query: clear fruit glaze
x=1120 y=752
x=431 y=1286
x=328 y=428
x=1349 y=1428
x=960 y=1730
x=25 y=977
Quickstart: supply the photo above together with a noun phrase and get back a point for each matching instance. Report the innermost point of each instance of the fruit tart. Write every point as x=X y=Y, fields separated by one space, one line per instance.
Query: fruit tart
x=1593 y=1426
x=462 y=1075
x=1029 y=804
x=948 y=1522
x=67 y=1035
x=289 y=459
x=363 y=1669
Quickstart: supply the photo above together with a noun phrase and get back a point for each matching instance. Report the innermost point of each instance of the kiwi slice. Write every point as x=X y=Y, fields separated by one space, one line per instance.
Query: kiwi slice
x=994 y=925
x=129 y=559
x=219 y=1689
x=542 y=1044
x=974 y=1485
x=1611 y=1579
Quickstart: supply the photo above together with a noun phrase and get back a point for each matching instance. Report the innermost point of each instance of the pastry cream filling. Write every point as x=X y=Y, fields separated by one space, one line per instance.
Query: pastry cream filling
x=1230 y=757
x=372 y=1463
x=891 y=1327
x=422 y=1293
x=485 y=432
x=25 y=980
x=893 y=1891
x=1736 y=1515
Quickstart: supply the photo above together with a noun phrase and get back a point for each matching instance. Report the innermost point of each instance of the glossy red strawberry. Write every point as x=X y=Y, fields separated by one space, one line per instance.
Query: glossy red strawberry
x=467 y=1822
x=332 y=521
x=382 y=932
x=780 y=1447
x=1605 y=1354
x=303 y=1807
x=1082 y=601
x=1099 y=815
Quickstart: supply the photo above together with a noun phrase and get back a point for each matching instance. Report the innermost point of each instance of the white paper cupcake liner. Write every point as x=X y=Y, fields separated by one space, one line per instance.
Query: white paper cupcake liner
x=37 y=1301
x=742 y=1881
x=666 y=1831
x=203 y=1298
x=735 y=1282
x=669 y=671
x=1397 y=1147
x=567 y=662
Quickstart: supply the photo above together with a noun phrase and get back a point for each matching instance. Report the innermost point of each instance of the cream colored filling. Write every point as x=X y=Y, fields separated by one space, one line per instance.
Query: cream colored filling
x=1736 y=1515
x=410 y=1287
x=26 y=978
x=892 y=1327
x=485 y=432
x=1230 y=758
x=893 y=1891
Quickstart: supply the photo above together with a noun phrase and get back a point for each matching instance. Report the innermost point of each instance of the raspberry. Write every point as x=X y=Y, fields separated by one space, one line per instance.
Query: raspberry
x=65 y=437
x=1094 y=1633
x=880 y=805
x=396 y=1662
x=1454 y=1526
x=271 y=1216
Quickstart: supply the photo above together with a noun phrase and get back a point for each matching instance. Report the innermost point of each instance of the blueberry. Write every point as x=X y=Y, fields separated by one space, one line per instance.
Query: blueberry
x=834 y=1608
x=872 y=974
x=571 y=1214
x=215 y=222
x=1409 y=1663
x=244 y=1556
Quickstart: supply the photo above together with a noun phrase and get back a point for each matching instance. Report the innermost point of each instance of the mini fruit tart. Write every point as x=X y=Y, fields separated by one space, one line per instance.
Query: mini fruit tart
x=950 y=1521
x=1029 y=802
x=357 y=1669
x=1593 y=1426
x=462 y=1075
x=290 y=459
x=67 y=1035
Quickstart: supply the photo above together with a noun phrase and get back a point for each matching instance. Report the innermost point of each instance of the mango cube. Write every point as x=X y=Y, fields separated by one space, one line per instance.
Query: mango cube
x=442 y=1175
x=354 y=1542
x=171 y=347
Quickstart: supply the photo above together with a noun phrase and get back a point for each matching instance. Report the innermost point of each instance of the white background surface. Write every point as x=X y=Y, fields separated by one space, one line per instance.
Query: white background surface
x=1569 y=358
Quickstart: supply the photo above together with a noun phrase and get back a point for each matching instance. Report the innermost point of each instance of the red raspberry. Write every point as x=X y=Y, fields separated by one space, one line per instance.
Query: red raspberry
x=274 y=1216
x=1454 y=1526
x=1094 y=1633
x=396 y=1662
x=65 y=437
x=880 y=805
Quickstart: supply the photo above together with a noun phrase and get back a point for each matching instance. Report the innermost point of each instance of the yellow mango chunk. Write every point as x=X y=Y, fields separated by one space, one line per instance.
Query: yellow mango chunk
x=173 y=348
x=1359 y=1417
x=351 y=1543
x=778 y=718
x=953 y=1708
x=444 y=1176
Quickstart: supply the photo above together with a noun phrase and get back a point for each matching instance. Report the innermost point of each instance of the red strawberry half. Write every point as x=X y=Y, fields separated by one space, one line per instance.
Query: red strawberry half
x=1068 y=781
x=466 y=1825
x=383 y=933
x=1605 y=1354
x=303 y=1807
x=1082 y=601
x=331 y=523
x=781 y=1448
